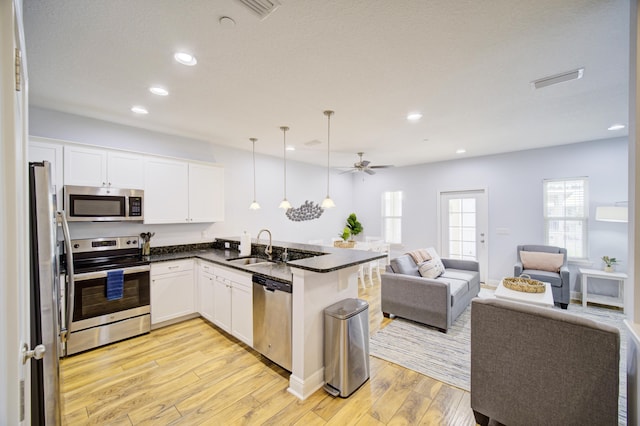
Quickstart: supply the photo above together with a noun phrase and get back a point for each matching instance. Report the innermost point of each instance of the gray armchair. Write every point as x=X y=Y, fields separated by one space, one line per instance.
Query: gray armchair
x=560 y=283
x=535 y=366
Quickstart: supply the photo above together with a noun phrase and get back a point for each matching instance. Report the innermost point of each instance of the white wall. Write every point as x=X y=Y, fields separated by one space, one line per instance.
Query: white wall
x=514 y=183
x=304 y=182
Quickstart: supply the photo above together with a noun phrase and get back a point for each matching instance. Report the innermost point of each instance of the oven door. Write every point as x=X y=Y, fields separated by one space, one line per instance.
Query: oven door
x=91 y=307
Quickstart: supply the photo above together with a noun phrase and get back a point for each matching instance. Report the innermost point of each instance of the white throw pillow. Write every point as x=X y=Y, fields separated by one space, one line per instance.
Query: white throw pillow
x=540 y=261
x=431 y=268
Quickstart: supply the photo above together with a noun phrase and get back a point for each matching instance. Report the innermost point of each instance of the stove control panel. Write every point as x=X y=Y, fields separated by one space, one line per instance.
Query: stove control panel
x=106 y=243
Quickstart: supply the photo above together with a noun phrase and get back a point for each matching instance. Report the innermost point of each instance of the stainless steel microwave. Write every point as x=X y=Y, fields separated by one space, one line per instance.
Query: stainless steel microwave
x=103 y=204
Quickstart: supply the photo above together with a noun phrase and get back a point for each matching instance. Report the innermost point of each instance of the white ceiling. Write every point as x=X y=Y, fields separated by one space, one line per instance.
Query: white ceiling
x=466 y=65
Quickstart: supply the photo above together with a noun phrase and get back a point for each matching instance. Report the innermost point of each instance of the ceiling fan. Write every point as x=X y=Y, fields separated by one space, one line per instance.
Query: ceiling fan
x=364 y=166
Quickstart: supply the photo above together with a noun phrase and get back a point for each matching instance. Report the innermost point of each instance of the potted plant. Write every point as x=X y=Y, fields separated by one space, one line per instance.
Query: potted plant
x=609 y=263
x=345 y=243
x=354 y=226
x=346 y=233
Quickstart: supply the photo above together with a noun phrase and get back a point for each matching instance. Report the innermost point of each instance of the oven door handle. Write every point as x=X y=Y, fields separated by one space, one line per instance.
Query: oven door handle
x=103 y=274
x=70 y=287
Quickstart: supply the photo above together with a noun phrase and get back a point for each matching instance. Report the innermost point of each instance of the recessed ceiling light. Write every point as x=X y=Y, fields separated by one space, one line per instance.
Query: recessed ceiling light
x=139 y=109
x=157 y=90
x=291 y=148
x=414 y=116
x=185 y=58
x=616 y=127
x=461 y=151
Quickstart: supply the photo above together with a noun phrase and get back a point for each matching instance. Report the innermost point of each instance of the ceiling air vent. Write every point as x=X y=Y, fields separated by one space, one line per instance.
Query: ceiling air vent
x=262 y=8
x=558 y=78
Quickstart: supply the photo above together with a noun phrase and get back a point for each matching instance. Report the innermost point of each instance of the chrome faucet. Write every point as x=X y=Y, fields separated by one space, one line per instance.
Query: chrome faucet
x=267 y=250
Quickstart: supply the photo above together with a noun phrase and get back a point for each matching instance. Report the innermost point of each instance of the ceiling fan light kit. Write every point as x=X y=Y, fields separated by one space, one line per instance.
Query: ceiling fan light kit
x=364 y=166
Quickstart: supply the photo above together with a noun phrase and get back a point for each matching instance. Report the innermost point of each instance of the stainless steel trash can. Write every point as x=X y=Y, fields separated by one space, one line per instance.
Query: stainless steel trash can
x=346 y=346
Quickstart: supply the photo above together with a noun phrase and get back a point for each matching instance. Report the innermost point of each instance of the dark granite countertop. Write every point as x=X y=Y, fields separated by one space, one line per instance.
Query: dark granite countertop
x=313 y=258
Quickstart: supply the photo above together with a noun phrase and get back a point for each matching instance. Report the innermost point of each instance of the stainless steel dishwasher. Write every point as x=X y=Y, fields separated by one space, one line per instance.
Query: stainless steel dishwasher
x=272 y=320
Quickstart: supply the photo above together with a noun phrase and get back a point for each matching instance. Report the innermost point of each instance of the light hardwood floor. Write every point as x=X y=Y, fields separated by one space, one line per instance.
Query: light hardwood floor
x=192 y=373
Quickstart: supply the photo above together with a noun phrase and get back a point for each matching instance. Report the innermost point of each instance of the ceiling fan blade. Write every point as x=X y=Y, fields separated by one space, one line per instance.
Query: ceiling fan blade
x=384 y=166
x=369 y=171
x=348 y=171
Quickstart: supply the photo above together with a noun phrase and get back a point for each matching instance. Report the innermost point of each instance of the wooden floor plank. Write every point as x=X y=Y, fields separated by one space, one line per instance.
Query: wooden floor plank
x=193 y=373
x=442 y=410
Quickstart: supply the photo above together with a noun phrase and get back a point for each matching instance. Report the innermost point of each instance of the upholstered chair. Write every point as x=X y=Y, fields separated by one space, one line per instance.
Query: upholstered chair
x=547 y=264
x=538 y=366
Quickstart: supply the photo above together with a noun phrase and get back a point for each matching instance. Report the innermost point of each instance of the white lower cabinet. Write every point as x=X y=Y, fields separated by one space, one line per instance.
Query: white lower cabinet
x=206 y=282
x=221 y=295
x=233 y=303
x=172 y=290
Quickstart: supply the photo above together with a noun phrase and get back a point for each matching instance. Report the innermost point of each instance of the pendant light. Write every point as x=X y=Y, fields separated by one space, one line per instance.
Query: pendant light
x=254 y=205
x=285 y=204
x=327 y=203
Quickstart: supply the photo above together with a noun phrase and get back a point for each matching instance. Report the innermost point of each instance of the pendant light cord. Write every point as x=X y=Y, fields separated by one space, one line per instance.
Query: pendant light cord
x=328 y=145
x=254 y=168
x=284 y=150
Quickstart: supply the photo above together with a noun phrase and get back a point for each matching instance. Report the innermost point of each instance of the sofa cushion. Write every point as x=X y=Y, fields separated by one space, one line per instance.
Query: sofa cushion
x=458 y=289
x=404 y=265
x=552 y=278
x=542 y=261
x=431 y=268
x=459 y=274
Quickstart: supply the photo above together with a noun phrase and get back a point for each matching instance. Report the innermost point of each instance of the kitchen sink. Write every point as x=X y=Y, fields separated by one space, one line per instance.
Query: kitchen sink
x=249 y=261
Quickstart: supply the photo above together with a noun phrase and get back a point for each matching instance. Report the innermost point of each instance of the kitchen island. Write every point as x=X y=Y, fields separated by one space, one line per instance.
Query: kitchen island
x=320 y=276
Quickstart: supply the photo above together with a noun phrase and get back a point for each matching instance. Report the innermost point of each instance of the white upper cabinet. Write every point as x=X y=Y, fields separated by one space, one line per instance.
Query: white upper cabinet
x=166 y=195
x=206 y=193
x=182 y=192
x=125 y=170
x=51 y=152
x=85 y=166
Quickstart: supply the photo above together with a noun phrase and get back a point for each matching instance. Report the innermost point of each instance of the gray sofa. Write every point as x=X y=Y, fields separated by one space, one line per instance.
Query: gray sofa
x=435 y=302
x=540 y=366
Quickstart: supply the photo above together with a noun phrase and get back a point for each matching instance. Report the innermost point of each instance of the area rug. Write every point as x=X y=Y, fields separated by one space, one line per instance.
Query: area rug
x=446 y=356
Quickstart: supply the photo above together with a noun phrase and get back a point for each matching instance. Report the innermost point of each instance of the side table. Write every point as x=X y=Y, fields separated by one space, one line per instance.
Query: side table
x=617 y=277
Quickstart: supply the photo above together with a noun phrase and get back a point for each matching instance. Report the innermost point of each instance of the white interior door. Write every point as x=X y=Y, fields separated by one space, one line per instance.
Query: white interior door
x=14 y=245
x=463 y=227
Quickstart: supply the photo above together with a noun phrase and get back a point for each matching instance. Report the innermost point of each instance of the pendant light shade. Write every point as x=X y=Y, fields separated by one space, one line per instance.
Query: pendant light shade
x=254 y=205
x=327 y=203
x=285 y=204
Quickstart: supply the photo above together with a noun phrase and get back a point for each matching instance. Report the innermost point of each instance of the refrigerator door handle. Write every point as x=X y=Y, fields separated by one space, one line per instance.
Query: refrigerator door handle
x=70 y=287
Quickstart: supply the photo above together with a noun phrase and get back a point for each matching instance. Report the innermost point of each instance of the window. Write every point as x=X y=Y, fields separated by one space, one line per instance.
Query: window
x=462 y=228
x=566 y=215
x=392 y=217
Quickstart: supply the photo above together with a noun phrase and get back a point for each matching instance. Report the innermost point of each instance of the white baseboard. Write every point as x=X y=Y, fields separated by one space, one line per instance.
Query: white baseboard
x=305 y=388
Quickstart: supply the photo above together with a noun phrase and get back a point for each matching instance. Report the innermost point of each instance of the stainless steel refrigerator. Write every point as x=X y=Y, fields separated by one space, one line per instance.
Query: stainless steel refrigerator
x=45 y=312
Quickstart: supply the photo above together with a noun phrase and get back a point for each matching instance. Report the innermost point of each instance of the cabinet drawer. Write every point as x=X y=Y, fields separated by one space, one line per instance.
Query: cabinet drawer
x=173 y=266
x=231 y=275
x=206 y=267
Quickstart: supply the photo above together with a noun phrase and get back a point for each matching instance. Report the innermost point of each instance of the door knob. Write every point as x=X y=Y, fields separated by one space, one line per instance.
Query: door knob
x=37 y=352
